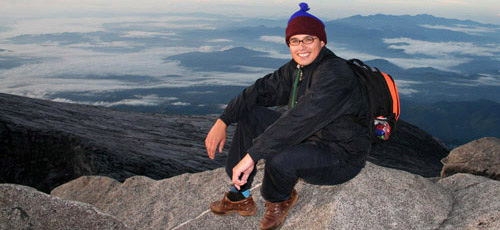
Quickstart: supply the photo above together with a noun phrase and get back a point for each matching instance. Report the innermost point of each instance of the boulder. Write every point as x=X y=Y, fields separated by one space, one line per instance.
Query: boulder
x=480 y=157
x=476 y=203
x=378 y=198
x=23 y=207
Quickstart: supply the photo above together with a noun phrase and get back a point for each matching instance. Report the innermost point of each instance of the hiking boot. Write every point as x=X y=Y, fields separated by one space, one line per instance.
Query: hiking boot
x=276 y=212
x=245 y=207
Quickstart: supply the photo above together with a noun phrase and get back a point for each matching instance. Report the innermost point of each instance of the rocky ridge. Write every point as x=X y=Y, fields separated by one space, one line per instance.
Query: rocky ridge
x=45 y=144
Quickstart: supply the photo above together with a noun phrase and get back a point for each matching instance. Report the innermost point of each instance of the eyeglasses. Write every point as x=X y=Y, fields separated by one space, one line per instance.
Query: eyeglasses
x=307 y=40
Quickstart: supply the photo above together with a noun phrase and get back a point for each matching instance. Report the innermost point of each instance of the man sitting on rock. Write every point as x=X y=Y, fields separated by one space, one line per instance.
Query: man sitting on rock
x=322 y=138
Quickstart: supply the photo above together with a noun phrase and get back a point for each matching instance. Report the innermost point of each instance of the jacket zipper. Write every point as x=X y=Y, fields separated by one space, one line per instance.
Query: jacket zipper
x=296 y=82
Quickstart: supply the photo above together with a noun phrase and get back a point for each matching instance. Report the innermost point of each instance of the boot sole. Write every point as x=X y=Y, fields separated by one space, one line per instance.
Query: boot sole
x=242 y=213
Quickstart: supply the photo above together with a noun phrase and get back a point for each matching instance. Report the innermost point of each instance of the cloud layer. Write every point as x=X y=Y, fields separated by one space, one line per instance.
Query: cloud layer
x=439 y=49
x=91 y=54
x=139 y=100
x=478 y=30
x=57 y=62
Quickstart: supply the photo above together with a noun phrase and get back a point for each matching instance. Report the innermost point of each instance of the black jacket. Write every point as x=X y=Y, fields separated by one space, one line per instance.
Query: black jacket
x=330 y=111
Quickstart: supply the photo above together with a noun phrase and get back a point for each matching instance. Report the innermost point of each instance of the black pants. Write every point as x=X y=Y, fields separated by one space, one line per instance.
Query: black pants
x=309 y=161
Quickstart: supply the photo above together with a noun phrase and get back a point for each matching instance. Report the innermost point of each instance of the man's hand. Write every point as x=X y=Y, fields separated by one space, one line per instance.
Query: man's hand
x=245 y=166
x=216 y=138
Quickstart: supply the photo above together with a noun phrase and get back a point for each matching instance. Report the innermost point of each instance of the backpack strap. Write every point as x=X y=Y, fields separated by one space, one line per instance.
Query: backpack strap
x=391 y=84
x=363 y=65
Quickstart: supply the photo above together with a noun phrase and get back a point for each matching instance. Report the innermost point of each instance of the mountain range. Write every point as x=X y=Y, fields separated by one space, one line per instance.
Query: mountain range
x=456 y=122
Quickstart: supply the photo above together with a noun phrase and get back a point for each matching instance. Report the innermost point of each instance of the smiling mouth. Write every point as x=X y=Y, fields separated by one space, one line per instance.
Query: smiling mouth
x=304 y=55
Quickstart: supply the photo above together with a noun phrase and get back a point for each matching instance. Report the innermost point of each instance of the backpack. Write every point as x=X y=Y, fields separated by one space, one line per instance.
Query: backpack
x=382 y=96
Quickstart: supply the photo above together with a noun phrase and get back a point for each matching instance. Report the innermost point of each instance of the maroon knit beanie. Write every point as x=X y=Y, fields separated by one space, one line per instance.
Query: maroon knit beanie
x=302 y=22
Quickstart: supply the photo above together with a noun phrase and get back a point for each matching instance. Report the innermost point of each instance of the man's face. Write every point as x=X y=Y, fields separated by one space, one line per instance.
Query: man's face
x=304 y=54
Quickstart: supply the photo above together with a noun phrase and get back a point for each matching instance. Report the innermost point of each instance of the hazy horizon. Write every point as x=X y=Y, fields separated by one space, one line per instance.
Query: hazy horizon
x=484 y=11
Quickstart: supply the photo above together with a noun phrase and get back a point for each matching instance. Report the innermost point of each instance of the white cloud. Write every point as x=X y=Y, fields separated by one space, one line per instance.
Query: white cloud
x=220 y=40
x=95 y=24
x=256 y=69
x=140 y=100
x=146 y=34
x=404 y=87
x=72 y=64
x=207 y=49
x=407 y=92
x=482 y=80
x=64 y=100
x=53 y=26
x=101 y=44
x=463 y=28
x=64 y=69
x=440 y=49
x=489 y=80
x=350 y=54
x=217 y=48
x=66 y=61
x=406 y=83
x=42 y=88
x=178 y=103
x=198 y=26
x=222 y=106
x=147 y=100
x=273 y=39
x=444 y=63
x=201 y=92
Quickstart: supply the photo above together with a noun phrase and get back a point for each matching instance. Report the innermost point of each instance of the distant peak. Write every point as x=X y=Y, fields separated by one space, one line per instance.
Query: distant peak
x=384 y=19
x=240 y=50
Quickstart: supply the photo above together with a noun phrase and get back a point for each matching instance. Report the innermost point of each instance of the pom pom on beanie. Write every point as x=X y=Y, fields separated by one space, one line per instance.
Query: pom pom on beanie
x=302 y=22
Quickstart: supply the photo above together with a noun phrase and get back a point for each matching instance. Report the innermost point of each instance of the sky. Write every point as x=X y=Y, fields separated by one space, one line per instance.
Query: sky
x=485 y=11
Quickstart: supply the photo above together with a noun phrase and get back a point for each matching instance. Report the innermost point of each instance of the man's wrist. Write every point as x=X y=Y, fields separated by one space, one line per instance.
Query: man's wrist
x=225 y=119
x=253 y=156
x=220 y=121
x=249 y=156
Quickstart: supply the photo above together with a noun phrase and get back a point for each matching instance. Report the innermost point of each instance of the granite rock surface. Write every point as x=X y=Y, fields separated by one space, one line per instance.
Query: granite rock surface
x=378 y=198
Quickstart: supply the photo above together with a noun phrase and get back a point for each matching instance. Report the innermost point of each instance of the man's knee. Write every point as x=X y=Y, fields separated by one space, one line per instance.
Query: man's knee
x=279 y=163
